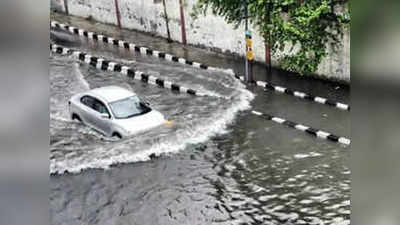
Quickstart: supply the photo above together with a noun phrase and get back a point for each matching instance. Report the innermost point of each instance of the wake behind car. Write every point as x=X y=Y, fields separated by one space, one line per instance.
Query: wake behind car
x=114 y=111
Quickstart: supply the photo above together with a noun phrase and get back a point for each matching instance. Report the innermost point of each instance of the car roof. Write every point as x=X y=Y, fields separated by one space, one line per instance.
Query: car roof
x=111 y=93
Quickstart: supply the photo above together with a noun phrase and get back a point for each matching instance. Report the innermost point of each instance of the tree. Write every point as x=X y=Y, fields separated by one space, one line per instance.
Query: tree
x=305 y=27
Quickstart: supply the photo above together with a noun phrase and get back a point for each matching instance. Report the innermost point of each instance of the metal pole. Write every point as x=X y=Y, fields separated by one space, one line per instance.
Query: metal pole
x=246 y=28
x=249 y=50
x=166 y=21
x=117 y=13
x=268 y=43
x=183 y=28
x=269 y=54
x=66 y=7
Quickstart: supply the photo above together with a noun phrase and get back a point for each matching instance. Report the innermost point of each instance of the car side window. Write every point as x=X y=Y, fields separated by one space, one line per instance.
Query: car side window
x=88 y=101
x=100 y=107
x=94 y=104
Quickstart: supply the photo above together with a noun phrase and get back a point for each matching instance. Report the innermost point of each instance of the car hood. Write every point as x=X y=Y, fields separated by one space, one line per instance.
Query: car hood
x=141 y=123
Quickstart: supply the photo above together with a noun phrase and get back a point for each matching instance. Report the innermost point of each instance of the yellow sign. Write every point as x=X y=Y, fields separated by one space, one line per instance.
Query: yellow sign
x=250 y=55
x=249 y=43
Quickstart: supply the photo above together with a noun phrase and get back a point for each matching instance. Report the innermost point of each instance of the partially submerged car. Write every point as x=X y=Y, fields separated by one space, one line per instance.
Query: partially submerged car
x=114 y=111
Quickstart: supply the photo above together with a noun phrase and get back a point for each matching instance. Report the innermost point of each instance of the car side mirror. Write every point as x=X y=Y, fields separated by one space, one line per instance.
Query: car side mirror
x=104 y=116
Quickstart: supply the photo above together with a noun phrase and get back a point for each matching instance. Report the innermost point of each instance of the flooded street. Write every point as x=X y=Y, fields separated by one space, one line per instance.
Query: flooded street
x=216 y=164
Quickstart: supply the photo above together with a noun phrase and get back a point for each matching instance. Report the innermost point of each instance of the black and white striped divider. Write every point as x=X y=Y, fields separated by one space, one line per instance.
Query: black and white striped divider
x=106 y=65
x=123 y=44
x=148 y=51
x=302 y=95
x=299 y=94
x=309 y=130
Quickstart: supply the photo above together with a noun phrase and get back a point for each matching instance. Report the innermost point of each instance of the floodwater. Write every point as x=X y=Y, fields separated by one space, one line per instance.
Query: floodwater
x=217 y=163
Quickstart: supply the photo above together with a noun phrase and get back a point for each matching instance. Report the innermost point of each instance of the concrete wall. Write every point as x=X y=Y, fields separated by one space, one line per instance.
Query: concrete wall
x=207 y=31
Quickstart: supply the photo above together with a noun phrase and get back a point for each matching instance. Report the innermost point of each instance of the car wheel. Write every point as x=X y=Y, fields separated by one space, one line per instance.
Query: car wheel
x=76 y=117
x=115 y=134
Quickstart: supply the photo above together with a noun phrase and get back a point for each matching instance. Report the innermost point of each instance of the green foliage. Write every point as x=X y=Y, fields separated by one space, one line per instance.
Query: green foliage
x=305 y=27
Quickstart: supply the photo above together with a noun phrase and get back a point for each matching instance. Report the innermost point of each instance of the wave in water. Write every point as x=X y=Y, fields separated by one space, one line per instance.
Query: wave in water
x=192 y=133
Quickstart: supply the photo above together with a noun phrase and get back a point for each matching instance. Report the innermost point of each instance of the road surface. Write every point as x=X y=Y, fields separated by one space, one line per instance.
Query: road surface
x=218 y=163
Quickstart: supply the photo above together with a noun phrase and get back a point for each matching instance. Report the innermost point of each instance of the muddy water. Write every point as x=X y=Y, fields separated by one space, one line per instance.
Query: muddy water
x=217 y=164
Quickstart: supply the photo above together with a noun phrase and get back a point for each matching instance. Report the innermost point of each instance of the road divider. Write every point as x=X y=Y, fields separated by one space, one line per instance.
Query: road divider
x=309 y=130
x=123 y=44
x=299 y=94
x=106 y=65
x=147 y=51
x=302 y=95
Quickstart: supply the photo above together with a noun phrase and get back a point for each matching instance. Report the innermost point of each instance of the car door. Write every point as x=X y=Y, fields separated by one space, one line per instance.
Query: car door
x=87 y=112
x=101 y=123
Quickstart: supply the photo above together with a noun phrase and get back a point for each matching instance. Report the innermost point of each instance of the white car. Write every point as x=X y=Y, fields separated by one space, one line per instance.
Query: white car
x=114 y=111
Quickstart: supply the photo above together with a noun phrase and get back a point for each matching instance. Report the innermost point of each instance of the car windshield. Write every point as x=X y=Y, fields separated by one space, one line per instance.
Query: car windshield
x=129 y=107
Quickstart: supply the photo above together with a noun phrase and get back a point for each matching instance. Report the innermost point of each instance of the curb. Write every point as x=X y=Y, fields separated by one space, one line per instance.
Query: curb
x=106 y=65
x=309 y=130
x=302 y=95
x=299 y=94
x=147 y=51
x=130 y=46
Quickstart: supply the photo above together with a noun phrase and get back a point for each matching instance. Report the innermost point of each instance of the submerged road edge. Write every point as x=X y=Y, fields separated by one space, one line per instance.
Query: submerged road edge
x=312 y=131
